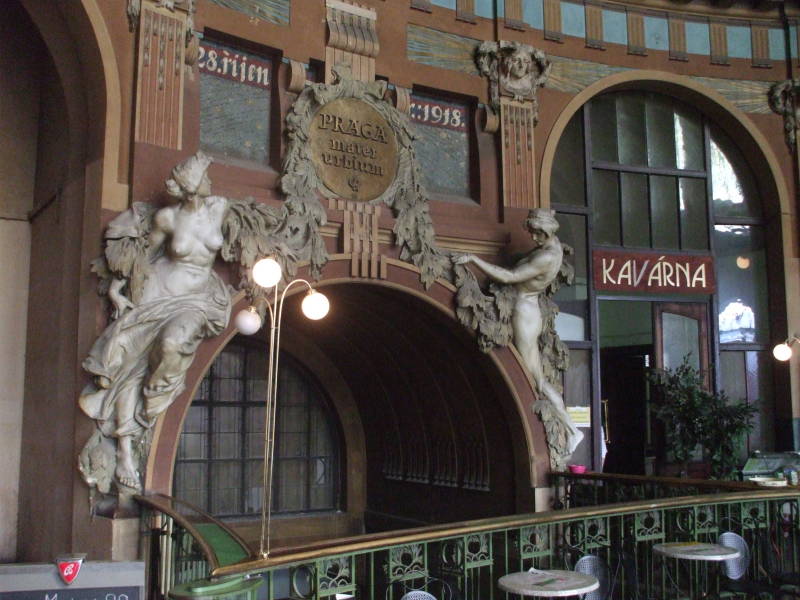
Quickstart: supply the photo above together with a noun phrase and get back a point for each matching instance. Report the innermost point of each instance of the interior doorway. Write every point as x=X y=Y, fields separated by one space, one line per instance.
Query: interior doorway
x=637 y=336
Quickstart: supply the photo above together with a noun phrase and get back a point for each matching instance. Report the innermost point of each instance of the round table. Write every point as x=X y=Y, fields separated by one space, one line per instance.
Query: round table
x=551 y=583
x=700 y=551
x=696 y=551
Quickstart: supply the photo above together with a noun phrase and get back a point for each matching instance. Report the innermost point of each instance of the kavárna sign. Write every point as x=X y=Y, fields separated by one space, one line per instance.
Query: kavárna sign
x=622 y=271
x=354 y=149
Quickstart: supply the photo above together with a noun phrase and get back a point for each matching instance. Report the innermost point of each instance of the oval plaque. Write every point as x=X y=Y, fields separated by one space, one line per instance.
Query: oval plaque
x=353 y=148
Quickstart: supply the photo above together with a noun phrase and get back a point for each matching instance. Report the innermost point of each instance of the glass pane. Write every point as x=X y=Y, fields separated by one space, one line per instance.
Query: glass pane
x=226 y=488
x=664 y=211
x=660 y=131
x=759 y=372
x=733 y=378
x=254 y=445
x=688 y=138
x=230 y=363
x=681 y=338
x=321 y=443
x=732 y=186
x=694 y=214
x=190 y=484
x=253 y=487
x=603 y=117
x=226 y=439
x=578 y=392
x=290 y=485
x=605 y=196
x=292 y=445
x=228 y=390
x=257 y=363
x=572 y=299
x=567 y=184
x=321 y=485
x=741 y=263
x=631 y=129
x=193 y=442
x=635 y=211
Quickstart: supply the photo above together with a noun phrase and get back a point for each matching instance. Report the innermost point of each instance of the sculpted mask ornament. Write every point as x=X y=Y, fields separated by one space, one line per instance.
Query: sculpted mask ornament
x=513 y=69
x=157 y=271
x=520 y=304
x=783 y=99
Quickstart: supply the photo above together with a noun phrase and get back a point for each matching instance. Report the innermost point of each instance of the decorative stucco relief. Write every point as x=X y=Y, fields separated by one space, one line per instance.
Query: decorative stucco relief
x=513 y=69
x=405 y=195
x=783 y=99
x=518 y=305
x=157 y=271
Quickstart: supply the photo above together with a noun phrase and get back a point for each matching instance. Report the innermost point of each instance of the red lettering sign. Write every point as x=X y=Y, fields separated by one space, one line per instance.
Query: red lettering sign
x=621 y=271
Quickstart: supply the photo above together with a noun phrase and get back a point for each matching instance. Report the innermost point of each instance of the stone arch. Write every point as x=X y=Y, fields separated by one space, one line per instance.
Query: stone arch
x=508 y=375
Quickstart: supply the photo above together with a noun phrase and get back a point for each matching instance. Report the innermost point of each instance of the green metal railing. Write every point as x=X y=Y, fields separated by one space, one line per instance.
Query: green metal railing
x=463 y=561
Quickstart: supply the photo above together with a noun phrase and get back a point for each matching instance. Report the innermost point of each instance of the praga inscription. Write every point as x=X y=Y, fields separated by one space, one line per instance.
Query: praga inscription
x=354 y=149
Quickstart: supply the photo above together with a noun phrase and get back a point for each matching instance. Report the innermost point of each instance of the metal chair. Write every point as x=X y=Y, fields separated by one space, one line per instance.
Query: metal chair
x=735 y=570
x=418 y=595
x=597 y=567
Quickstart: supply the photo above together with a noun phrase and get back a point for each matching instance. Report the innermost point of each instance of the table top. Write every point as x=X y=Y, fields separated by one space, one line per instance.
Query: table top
x=551 y=583
x=696 y=551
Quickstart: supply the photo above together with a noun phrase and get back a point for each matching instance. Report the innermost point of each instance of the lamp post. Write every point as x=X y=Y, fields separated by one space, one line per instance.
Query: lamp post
x=267 y=274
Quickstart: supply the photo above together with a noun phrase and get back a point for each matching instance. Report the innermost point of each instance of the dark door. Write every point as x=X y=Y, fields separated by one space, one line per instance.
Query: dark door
x=624 y=393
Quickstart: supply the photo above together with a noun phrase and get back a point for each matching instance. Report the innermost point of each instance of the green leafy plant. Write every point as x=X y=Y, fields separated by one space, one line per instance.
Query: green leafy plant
x=693 y=417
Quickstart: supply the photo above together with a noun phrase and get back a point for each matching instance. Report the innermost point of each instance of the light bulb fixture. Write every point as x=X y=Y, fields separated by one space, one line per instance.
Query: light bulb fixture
x=743 y=262
x=315 y=305
x=783 y=352
x=267 y=272
x=248 y=321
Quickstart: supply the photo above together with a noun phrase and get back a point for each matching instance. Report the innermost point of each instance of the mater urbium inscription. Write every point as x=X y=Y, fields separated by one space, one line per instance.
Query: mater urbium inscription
x=354 y=149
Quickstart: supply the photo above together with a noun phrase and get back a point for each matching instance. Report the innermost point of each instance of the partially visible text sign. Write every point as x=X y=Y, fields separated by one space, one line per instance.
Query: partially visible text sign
x=438 y=114
x=235 y=66
x=104 y=593
x=354 y=149
x=621 y=271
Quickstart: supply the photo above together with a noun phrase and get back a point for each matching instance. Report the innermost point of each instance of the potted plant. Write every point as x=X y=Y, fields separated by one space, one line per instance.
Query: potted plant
x=698 y=420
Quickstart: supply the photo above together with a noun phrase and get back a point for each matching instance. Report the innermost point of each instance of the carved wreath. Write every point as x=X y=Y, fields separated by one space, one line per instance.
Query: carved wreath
x=406 y=196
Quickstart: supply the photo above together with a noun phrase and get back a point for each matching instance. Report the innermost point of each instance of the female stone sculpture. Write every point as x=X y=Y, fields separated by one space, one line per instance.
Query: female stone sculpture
x=166 y=300
x=531 y=276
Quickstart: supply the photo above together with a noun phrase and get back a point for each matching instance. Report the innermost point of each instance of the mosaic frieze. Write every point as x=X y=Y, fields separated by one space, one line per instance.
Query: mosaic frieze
x=441 y=144
x=234 y=103
x=272 y=11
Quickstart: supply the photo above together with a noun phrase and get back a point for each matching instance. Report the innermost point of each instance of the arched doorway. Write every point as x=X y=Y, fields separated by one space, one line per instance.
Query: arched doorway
x=434 y=431
x=663 y=177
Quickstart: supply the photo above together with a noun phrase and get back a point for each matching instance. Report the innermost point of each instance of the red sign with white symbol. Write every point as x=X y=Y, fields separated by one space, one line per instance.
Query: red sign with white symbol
x=69 y=567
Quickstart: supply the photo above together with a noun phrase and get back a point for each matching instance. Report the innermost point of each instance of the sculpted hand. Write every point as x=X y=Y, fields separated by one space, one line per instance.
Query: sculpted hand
x=463 y=259
x=120 y=302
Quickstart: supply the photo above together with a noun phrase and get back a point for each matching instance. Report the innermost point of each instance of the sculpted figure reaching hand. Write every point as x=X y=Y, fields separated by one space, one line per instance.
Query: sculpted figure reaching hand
x=532 y=276
x=166 y=300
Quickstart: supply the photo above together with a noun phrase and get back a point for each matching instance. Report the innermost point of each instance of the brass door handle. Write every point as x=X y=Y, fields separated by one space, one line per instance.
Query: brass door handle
x=607 y=427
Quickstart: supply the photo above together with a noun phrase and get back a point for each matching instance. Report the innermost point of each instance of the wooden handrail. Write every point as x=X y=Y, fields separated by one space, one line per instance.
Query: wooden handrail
x=716 y=484
x=165 y=504
x=366 y=543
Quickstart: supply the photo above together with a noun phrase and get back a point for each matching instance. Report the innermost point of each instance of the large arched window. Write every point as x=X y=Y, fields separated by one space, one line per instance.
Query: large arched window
x=219 y=463
x=644 y=172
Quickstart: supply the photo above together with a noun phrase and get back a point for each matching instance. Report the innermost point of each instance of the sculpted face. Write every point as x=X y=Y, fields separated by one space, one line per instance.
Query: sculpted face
x=518 y=65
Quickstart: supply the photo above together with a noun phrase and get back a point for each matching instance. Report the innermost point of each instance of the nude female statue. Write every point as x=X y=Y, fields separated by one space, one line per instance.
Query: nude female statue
x=139 y=363
x=531 y=276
